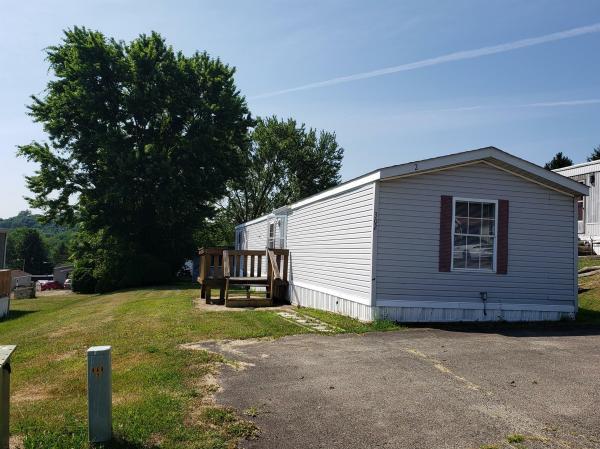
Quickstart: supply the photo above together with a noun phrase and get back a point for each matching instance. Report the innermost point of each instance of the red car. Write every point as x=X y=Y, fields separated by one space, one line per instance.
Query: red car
x=49 y=285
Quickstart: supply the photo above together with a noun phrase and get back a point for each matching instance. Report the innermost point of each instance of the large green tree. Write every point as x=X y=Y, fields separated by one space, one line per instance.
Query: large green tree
x=558 y=161
x=595 y=156
x=287 y=162
x=142 y=141
x=27 y=250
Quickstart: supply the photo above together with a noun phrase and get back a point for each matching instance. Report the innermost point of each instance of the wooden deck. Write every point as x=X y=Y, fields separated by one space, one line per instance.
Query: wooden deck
x=235 y=272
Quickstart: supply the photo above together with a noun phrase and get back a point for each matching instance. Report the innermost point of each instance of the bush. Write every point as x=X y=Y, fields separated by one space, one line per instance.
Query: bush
x=83 y=280
x=111 y=265
x=144 y=269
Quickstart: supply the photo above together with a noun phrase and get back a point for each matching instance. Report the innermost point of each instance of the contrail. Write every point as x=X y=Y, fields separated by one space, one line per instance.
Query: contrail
x=562 y=103
x=547 y=104
x=451 y=57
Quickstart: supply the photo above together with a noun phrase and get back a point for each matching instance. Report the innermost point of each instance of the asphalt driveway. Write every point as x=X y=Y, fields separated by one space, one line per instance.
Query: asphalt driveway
x=421 y=388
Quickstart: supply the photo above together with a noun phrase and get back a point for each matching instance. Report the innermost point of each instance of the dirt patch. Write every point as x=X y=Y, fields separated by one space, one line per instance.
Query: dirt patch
x=228 y=348
x=231 y=347
x=16 y=442
x=65 y=355
x=63 y=331
x=54 y=292
x=156 y=439
x=30 y=394
x=589 y=282
x=201 y=305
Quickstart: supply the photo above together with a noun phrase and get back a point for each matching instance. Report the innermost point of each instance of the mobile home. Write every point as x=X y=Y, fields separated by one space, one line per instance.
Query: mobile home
x=588 y=208
x=474 y=236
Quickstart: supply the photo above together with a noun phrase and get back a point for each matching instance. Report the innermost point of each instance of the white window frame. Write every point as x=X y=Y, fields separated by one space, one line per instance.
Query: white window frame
x=273 y=223
x=494 y=259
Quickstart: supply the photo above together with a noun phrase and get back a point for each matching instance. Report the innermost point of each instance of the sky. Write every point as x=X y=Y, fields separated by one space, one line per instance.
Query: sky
x=396 y=81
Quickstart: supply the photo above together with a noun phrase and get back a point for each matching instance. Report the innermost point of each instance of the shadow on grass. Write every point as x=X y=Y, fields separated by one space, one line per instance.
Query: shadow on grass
x=181 y=285
x=123 y=444
x=16 y=314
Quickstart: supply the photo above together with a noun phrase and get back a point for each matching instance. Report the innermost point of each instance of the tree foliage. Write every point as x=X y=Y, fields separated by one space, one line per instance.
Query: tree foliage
x=26 y=219
x=286 y=163
x=57 y=239
x=558 y=161
x=595 y=156
x=142 y=141
x=26 y=250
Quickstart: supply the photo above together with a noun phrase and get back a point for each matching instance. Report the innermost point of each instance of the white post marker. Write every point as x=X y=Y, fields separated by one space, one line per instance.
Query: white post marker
x=5 y=353
x=99 y=394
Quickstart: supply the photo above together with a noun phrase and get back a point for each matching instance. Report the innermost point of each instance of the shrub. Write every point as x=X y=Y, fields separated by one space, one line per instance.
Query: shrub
x=83 y=280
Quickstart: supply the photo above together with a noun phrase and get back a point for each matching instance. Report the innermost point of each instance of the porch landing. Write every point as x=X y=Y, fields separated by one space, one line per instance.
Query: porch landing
x=235 y=273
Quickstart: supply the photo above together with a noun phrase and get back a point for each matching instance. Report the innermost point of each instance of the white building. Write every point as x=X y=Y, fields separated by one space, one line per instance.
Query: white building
x=588 y=208
x=478 y=235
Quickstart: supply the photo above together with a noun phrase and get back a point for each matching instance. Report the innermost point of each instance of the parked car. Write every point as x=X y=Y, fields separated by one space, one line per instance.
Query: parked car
x=68 y=284
x=49 y=285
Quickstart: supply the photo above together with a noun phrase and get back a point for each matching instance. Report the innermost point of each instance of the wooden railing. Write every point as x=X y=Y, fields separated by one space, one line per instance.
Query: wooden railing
x=243 y=263
x=278 y=271
x=223 y=267
x=5 y=283
x=211 y=272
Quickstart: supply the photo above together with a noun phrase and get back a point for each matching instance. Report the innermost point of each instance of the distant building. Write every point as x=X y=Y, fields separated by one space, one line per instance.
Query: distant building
x=61 y=272
x=588 y=208
x=20 y=278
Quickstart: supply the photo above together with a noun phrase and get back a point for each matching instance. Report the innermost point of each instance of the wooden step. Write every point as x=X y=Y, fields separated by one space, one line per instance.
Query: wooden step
x=251 y=302
x=248 y=281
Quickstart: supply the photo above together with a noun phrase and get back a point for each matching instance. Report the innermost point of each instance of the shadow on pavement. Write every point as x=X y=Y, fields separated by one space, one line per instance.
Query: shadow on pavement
x=532 y=329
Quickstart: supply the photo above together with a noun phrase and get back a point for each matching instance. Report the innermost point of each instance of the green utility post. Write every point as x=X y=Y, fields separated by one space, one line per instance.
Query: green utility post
x=5 y=353
x=99 y=394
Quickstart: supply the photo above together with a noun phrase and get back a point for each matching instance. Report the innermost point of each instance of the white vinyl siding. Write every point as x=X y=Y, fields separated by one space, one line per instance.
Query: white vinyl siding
x=255 y=234
x=330 y=243
x=541 y=241
x=591 y=216
x=589 y=227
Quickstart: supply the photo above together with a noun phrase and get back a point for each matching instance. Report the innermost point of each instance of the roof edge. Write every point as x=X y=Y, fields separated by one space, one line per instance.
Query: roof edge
x=553 y=179
x=582 y=164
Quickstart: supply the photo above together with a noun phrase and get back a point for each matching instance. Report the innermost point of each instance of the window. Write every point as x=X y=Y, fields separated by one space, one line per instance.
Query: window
x=271 y=241
x=580 y=208
x=474 y=235
x=240 y=239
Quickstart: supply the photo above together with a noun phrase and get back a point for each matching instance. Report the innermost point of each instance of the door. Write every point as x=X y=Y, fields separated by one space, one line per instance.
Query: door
x=277 y=231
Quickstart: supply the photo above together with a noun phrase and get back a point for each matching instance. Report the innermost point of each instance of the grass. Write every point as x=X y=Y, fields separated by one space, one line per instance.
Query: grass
x=515 y=438
x=161 y=397
x=161 y=393
x=589 y=261
x=346 y=323
x=589 y=300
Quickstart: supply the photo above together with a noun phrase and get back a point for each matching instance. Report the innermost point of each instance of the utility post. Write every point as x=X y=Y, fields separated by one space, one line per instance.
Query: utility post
x=99 y=394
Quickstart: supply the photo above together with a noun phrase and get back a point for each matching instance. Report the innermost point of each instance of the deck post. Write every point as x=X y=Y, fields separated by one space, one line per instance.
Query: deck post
x=5 y=353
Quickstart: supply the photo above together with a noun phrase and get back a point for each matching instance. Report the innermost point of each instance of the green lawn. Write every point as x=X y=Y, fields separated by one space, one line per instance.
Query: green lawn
x=160 y=396
x=589 y=300
x=588 y=261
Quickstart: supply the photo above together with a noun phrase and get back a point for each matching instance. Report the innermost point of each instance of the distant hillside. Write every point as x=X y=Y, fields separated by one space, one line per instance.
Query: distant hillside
x=25 y=219
x=53 y=248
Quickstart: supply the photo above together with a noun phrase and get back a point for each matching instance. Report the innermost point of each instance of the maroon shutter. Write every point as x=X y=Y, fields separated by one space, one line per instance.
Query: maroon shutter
x=502 y=244
x=445 y=233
